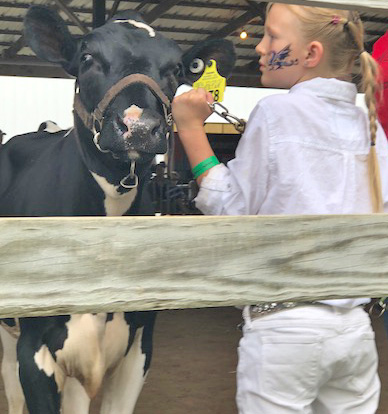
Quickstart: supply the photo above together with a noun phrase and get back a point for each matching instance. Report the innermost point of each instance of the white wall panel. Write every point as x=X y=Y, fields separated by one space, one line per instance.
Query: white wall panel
x=26 y=102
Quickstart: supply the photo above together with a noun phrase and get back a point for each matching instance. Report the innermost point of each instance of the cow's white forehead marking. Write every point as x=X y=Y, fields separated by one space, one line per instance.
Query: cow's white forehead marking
x=139 y=25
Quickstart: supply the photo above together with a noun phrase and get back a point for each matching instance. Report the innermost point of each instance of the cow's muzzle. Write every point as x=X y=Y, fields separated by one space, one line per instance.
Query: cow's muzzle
x=94 y=121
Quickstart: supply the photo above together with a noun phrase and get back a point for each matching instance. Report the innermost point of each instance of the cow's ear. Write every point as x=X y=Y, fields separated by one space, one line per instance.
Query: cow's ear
x=196 y=58
x=47 y=35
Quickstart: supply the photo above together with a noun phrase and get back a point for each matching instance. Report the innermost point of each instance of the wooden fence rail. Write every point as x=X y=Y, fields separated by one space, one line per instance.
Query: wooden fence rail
x=51 y=266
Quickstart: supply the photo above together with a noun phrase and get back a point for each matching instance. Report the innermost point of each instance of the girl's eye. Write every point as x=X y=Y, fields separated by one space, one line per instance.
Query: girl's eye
x=86 y=58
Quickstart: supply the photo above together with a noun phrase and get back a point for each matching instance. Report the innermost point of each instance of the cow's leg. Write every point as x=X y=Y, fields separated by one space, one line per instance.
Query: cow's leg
x=74 y=400
x=123 y=386
x=40 y=376
x=9 y=372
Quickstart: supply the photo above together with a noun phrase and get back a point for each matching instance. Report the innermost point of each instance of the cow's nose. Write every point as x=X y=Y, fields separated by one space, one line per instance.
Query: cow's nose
x=137 y=119
x=130 y=117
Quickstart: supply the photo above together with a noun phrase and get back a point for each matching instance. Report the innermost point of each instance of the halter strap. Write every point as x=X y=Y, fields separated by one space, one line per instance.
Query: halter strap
x=94 y=119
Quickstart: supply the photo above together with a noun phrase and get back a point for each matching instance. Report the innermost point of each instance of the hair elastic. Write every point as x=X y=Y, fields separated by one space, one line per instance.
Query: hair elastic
x=335 y=19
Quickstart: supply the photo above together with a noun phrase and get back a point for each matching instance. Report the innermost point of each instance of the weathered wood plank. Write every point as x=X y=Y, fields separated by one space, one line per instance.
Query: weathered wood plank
x=72 y=265
x=361 y=5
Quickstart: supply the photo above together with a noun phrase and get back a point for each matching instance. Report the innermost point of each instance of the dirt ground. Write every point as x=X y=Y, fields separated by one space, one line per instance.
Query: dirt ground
x=193 y=369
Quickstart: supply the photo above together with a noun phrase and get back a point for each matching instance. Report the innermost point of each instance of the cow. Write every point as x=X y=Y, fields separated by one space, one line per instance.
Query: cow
x=49 y=126
x=126 y=76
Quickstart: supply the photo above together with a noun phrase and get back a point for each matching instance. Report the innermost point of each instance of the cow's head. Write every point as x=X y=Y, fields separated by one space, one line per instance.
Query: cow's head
x=134 y=123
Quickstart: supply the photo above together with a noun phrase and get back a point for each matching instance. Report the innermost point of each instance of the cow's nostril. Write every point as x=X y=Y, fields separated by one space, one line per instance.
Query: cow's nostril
x=155 y=127
x=120 y=124
x=155 y=130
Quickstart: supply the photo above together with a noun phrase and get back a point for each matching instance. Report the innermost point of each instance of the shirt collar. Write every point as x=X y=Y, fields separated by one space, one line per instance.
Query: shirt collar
x=328 y=88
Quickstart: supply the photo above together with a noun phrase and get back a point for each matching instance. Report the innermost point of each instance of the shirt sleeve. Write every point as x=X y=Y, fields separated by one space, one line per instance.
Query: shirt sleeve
x=240 y=187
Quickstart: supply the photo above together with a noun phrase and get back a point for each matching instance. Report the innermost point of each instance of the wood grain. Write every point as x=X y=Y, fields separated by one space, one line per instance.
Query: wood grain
x=51 y=266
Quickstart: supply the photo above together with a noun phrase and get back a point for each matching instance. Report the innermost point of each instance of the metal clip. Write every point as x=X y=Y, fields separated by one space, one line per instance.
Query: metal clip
x=223 y=112
x=96 y=140
x=132 y=177
x=168 y=116
x=378 y=308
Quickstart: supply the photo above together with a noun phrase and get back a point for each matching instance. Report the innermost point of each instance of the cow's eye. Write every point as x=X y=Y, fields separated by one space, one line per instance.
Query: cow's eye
x=197 y=65
x=86 y=58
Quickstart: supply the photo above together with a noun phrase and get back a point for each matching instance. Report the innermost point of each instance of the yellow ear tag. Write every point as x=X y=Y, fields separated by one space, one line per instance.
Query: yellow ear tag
x=212 y=81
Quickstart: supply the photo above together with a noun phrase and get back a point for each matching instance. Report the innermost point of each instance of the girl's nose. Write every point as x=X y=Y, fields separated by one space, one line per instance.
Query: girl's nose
x=259 y=48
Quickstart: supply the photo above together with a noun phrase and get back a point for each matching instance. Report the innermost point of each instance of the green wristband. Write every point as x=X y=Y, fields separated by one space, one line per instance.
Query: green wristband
x=204 y=165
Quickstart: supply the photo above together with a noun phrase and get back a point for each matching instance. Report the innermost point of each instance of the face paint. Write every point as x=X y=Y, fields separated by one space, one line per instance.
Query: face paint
x=278 y=60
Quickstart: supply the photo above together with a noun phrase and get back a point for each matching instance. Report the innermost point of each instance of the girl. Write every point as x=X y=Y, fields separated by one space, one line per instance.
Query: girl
x=311 y=151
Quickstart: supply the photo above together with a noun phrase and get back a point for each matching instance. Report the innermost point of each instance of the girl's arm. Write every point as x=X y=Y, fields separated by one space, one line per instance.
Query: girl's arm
x=190 y=110
x=241 y=186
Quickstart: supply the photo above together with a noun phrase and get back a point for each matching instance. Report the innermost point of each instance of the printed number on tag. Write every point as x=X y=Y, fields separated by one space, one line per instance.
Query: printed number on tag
x=212 y=81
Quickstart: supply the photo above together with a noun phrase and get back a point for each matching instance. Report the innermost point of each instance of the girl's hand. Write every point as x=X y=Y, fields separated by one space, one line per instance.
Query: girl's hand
x=191 y=109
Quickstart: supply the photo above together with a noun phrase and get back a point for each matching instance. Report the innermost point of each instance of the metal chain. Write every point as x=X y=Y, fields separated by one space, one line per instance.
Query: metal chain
x=223 y=112
x=378 y=307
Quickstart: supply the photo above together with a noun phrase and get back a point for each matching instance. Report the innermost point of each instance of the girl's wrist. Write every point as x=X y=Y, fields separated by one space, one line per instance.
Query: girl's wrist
x=193 y=134
x=189 y=126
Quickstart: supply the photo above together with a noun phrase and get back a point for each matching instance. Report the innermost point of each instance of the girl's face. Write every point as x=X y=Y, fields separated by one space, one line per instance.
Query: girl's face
x=282 y=49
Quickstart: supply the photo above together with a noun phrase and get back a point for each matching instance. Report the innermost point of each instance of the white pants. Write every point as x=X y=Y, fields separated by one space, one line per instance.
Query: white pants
x=313 y=359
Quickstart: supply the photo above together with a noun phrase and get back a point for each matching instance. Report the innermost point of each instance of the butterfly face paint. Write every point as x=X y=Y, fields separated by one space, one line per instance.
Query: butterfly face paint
x=280 y=60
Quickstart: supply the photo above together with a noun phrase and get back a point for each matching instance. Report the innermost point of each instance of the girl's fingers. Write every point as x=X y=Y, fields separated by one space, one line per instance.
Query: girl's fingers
x=191 y=109
x=209 y=97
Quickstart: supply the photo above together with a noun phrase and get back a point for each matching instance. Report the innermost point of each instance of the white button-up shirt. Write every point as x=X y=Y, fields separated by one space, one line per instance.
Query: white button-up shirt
x=304 y=152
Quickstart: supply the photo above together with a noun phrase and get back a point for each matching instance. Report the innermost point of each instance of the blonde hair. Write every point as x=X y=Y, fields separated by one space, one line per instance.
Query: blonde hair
x=341 y=32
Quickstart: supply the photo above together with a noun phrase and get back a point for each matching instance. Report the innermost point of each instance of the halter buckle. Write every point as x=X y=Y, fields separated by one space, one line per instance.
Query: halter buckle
x=96 y=140
x=167 y=115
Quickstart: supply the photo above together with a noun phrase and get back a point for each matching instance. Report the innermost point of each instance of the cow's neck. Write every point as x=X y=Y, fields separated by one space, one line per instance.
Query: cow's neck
x=107 y=172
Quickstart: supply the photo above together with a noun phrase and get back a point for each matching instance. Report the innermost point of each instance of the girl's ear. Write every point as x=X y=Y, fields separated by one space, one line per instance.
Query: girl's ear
x=314 y=54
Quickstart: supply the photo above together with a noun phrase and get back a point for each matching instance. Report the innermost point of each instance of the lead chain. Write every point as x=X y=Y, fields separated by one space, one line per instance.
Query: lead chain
x=223 y=112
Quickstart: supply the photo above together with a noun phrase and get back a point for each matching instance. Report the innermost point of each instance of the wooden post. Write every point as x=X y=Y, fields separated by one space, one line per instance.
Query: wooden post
x=99 y=10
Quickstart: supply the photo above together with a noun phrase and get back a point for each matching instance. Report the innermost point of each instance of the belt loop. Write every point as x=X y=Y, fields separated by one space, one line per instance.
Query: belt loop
x=247 y=317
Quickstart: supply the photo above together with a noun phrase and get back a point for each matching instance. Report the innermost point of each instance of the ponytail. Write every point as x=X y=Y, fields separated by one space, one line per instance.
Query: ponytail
x=370 y=86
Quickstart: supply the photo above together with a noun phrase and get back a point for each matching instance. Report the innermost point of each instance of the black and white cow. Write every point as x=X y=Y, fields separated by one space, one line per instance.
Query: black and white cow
x=49 y=126
x=126 y=75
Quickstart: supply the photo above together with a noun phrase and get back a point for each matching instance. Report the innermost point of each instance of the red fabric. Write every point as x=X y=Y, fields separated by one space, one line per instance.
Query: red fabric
x=380 y=53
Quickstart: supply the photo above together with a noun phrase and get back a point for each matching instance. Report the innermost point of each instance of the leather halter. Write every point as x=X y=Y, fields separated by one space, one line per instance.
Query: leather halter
x=93 y=121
